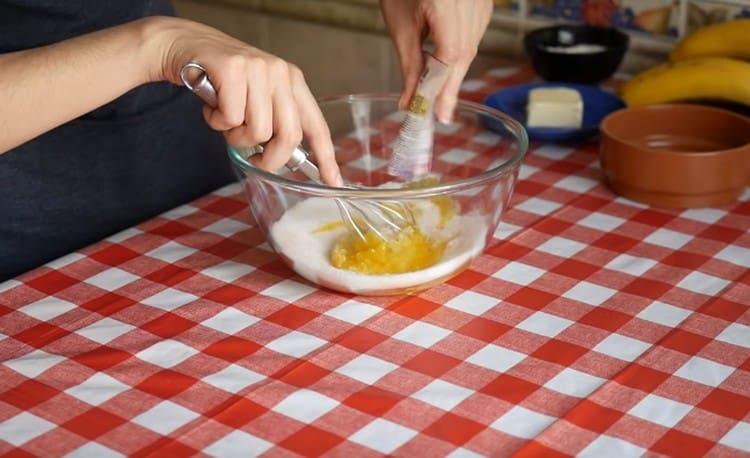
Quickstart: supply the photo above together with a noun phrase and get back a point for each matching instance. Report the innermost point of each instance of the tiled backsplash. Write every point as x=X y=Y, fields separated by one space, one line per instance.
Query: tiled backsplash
x=657 y=19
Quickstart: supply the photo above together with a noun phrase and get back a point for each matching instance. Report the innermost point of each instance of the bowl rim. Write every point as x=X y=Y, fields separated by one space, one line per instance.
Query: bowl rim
x=322 y=190
x=624 y=38
x=605 y=128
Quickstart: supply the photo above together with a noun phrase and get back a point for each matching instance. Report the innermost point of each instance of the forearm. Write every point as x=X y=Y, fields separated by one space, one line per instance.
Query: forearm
x=45 y=87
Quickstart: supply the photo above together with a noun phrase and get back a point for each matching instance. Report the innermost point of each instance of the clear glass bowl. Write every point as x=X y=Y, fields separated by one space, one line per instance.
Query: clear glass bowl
x=477 y=158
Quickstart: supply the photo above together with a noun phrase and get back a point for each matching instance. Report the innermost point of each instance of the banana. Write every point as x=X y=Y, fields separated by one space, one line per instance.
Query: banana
x=714 y=78
x=725 y=39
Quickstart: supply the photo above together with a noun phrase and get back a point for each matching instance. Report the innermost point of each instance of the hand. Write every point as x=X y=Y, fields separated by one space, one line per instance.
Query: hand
x=455 y=26
x=261 y=98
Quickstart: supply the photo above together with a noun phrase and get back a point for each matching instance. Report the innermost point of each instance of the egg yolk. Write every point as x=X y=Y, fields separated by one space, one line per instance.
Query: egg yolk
x=409 y=250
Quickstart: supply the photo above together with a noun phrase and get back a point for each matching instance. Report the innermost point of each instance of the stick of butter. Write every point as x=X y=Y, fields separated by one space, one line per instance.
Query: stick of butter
x=554 y=107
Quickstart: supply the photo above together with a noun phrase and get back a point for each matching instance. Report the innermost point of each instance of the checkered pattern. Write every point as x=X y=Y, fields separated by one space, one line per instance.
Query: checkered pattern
x=593 y=325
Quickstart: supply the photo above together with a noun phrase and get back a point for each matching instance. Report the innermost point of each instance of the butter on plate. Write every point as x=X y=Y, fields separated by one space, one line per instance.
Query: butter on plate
x=554 y=107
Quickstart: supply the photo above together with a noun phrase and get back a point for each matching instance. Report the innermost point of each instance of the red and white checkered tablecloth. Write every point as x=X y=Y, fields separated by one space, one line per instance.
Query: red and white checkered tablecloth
x=592 y=326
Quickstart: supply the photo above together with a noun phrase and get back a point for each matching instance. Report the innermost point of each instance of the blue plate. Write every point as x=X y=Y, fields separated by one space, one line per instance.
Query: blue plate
x=597 y=104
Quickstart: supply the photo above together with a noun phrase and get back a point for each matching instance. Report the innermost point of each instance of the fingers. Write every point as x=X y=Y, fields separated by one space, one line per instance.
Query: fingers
x=287 y=131
x=258 y=125
x=231 y=91
x=316 y=131
x=448 y=97
x=411 y=59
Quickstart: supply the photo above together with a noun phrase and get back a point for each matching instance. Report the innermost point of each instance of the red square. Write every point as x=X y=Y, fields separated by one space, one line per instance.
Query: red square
x=28 y=394
x=552 y=226
x=224 y=206
x=531 y=298
x=509 y=250
x=615 y=242
x=311 y=441
x=641 y=377
x=510 y=388
x=726 y=404
x=292 y=317
x=227 y=249
x=114 y=255
x=41 y=334
x=592 y=416
x=559 y=352
x=165 y=447
x=604 y=318
x=108 y=304
x=677 y=443
x=18 y=453
x=166 y=384
x=685 y=260
x=575 y=269
x=686 y=342
x=172 y=230
x=414 y=307
x=373 y=401
x=454 y=429
x=721 y=233
x=432 y=363
x=168 y=325
x=467 y=279
x=302 y=374
x=565 y=168
x=589 y=202
x=93 y=423
x=724 y=309
x=361 y=340
x=102 y=358
x=652 y=218
x=530 y=188
x=534 y=449
x=484 y=329
x=229 y=294
x=232 y=349
x=278 y=268
x=644 y=287
x=52 y=282
x=170 y=275
x=236 y=412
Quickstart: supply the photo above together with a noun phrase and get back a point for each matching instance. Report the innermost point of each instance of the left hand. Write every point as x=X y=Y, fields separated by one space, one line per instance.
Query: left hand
x=455 y=26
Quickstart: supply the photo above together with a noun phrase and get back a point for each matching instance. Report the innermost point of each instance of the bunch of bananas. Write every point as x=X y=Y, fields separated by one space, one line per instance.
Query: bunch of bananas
x=707 y=64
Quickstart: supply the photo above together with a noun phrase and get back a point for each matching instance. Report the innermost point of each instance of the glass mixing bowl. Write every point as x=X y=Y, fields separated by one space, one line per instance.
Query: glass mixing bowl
x=476 y=159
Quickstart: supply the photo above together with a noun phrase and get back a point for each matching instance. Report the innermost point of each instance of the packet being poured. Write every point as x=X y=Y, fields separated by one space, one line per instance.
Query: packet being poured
x=412 y=153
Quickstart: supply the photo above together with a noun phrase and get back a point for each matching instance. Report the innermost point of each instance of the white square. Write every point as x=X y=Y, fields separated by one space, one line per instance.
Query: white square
x=66 y=260
x=505 y=230
x=97 y=389
x=625 y=201
x=520 y=273
x=526 y=171
x=447 y=129
x=34 y=363
x=226 y=227
x=668 y=239
x=228 y=190
x=574 y=383
x=227 y=271
x=601 y=222
x=230 y=321
x=704 y=371
x=363 y=131
x=577 y=184
x=442 y=395
x=165 y=417
x=93 y=449
x=305 y=405
x=560 y=246
x=112 y=279
x=496 y=358
x=664 y=314
x=461 y=452
x=367 y=162
x=166 y=353
x=503 y=72
x=704 y=215
x=169 y=299
x=735 y=255
x=659 y=410
x=354 y=312
x=367 y=369
x=487 y=138
x=296 y=344
x=736 y=334
x=105 y=330
x=622 y=347
x=544 y=324
x=457 y=156
x=472 y=303
x=288 y=291
x=233 y=378
x=179 y=212
x=589 y=293
x=8 y=285
x=555 y=152
x=538 y=206
x=23 y=428
x=124 y=235
x=701 y=283
x=422 y=334
x=611 y=446
x=238 y=443
x=383 y=436
x=47 y=308
x=472 y=85
x=171 y=252
x=738 y=437
x=745 y=195
x=631 y=265
x=522 y=422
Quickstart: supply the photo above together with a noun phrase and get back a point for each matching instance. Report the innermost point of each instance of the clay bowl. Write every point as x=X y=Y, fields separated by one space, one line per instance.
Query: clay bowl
x=676 y=156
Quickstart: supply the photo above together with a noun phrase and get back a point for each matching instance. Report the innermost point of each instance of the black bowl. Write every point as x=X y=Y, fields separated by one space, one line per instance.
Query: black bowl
x=589 y=68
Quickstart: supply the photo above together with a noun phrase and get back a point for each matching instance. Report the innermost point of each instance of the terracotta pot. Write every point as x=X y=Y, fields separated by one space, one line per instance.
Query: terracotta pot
x=676 y=156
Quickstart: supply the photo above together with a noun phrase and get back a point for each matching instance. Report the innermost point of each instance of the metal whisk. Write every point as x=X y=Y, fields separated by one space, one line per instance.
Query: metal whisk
x=382 y=218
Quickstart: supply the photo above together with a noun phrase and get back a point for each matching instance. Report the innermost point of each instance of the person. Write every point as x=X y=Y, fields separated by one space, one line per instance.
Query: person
x=96 y=135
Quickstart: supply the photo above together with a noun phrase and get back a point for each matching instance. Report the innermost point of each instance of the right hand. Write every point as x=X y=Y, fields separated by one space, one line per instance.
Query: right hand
x=261 y=98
